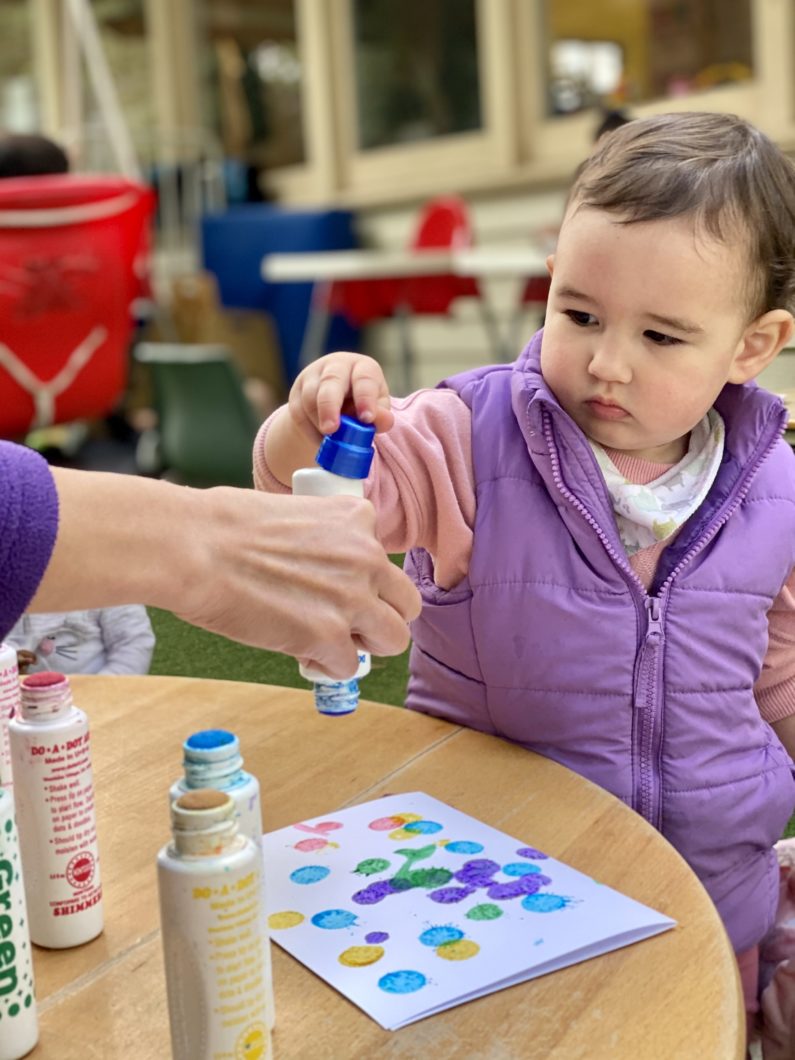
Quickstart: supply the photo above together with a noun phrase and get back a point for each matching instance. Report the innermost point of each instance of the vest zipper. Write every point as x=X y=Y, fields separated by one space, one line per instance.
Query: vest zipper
x=645 y=785
x=647 y=727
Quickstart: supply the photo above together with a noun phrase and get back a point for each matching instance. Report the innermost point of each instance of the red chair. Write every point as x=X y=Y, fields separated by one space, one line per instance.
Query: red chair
x=535 y=294
x=73 y=256
x=443 y=224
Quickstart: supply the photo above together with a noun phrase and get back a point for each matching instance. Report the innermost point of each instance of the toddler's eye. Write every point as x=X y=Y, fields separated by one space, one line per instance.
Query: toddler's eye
x=580 y=317
x=660 y=339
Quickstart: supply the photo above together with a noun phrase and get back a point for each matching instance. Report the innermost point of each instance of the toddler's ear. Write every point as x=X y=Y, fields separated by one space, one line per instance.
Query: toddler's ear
x=762 y=340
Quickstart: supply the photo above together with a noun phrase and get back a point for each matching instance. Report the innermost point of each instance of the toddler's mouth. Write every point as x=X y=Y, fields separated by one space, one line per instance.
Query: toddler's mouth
x=606 y=410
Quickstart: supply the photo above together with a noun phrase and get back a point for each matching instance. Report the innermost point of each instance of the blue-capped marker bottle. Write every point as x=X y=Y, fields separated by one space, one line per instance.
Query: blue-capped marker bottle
x=212 y=759
x=344 y=460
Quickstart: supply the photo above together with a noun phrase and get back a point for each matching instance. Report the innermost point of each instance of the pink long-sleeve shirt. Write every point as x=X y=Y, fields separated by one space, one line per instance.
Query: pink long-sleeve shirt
x=422 y=486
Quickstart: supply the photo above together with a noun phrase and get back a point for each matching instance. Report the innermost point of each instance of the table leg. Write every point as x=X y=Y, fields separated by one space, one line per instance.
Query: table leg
x=316 y=324
x=402 y=314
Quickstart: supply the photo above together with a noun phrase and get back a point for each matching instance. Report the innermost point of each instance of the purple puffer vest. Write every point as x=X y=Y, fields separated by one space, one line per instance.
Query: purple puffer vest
x=553 y=642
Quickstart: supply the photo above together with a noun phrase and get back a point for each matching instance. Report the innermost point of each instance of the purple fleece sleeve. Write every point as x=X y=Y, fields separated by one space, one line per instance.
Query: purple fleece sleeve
x=28 y=528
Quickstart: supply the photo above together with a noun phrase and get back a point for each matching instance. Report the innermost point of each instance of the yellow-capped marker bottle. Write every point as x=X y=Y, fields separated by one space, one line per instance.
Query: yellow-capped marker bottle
x=343 y=460
x=215 y=939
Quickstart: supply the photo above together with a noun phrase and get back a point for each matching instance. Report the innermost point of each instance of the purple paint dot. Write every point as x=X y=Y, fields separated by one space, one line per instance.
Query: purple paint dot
x=501 y=892
x=532 y=853
x=374 y=937
x=450 y=895
x=375 y=892
x=479 y=871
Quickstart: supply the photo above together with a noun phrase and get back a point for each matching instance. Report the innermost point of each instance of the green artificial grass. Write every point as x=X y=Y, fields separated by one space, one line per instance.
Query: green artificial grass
x=182 y=650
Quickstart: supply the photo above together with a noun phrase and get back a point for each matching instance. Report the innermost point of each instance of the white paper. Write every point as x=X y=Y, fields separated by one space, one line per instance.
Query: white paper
x=469 y=910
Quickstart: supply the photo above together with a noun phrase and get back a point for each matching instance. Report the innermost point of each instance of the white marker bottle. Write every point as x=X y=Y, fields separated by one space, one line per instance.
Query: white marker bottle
x=19 y=1029
x=54 y=793
x=9 y=706
x=344 y=460
x=215 y=940
x=212 y=759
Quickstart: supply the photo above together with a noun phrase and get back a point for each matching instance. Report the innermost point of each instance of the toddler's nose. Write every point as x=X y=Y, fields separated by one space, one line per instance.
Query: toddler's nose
x=610 y=362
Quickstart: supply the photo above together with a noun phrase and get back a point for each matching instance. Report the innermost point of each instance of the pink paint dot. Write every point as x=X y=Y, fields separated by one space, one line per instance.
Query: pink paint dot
x=306 y=846
x=328 y=826
x=385 y=824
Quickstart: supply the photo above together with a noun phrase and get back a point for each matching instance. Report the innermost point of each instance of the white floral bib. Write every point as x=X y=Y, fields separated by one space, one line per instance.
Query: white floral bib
x=648 y=514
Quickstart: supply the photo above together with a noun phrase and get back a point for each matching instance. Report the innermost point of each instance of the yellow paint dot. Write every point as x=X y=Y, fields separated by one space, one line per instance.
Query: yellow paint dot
x=289 y=918
x=460 y=950
x=401 y=833
x=407 y=818
x=252 y=1044
x=361 y=956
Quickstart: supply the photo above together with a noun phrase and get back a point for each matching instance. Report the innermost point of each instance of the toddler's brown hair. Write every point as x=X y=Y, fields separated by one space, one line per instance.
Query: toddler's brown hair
x=717 y=168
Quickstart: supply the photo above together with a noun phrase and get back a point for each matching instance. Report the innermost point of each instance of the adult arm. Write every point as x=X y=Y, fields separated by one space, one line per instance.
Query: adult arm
x=300 y=575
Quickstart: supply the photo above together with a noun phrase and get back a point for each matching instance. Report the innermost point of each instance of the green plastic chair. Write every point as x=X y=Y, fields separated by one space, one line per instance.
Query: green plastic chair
x=207 y=425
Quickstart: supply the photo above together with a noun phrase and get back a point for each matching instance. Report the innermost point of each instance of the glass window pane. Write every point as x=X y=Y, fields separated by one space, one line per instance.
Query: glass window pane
x=416 y=70
x=618 y=52
x=252 y=75
x=18 y=102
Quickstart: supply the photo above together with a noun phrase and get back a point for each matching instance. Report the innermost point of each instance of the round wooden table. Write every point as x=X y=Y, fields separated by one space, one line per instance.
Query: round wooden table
x=673 y=996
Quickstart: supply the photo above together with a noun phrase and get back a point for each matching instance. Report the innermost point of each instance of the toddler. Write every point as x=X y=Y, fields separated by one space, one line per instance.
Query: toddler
x=603 y=532
x=108 y=640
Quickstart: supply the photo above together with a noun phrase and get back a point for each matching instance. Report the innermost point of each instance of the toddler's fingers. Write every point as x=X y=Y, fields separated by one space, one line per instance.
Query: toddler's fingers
x=371 y=394
x=333 y=388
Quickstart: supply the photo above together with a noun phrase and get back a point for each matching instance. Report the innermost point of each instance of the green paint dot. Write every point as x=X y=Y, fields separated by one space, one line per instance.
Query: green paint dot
x=8 y=826
x=486 y=911
x=28 y=1000
x=370 y=866
x=13 y=1010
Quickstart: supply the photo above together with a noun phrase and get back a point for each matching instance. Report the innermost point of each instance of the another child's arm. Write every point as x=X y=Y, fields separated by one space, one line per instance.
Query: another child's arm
x=338 y=382
x=128 y=639
x=785 y=730
x=775 y=689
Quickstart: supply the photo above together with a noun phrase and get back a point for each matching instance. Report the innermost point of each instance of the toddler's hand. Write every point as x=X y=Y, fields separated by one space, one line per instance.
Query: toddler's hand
x=339 y=382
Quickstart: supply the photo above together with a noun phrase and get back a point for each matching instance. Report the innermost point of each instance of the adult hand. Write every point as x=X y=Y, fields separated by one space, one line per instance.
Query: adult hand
x=301 y=575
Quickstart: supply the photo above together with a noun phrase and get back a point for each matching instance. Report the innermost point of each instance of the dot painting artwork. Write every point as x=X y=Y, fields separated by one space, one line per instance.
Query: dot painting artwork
x=406 y=905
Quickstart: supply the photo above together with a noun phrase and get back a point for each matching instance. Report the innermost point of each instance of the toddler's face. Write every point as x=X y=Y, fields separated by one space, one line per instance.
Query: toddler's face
x=643 y=325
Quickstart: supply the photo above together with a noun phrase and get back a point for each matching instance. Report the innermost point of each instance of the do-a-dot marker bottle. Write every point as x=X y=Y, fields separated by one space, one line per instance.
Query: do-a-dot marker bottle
x=344 y=460
x=19 y=1030
x=212 y=759
x=215 y=938
x=54 y=794
x=9 y=706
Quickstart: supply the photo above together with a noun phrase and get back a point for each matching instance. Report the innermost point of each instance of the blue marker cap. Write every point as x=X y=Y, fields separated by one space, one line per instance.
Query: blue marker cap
x=349 y=450
x=209 y=740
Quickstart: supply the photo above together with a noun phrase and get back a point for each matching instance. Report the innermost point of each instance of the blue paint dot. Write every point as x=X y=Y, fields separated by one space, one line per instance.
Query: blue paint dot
x=310 y=874
x=464 y=846
x=422 y=827
x=517 y=868
x=374 y=937
x=543 y=903
x=437 y=936
x=403 y=982
x=334 y=918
